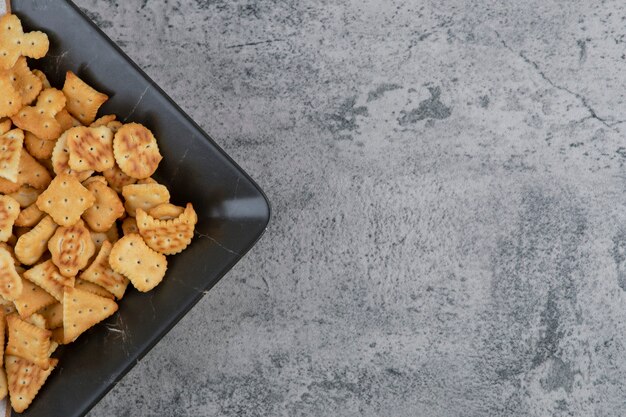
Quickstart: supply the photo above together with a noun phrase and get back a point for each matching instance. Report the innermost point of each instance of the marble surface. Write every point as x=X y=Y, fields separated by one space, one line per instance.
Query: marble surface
x=447 y=179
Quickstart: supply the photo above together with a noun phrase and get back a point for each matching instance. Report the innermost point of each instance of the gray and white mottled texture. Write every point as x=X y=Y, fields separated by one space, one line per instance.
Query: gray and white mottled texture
x=448 y=183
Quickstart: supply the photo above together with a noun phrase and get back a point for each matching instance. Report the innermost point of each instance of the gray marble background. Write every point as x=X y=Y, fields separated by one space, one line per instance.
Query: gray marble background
x=448 y=185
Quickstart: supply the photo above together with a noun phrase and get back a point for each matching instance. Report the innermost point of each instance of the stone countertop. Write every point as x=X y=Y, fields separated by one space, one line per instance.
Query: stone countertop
x=447 y=180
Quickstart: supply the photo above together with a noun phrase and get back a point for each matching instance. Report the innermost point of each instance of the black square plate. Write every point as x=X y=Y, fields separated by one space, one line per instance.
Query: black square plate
x=233 y=212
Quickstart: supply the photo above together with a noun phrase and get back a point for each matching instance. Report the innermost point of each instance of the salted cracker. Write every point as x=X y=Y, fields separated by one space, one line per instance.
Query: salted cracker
x=47 y=276
x=65 y=200
x=61 y=157
x=39 y=119
x=10 y=281
x=136 y=151
x=32 y=299
x=101 y=273
x=117 y=179
x=26 y=195
x=15 y=43
x=168 y=237
x=27 y=341
x=83 y=101
x=108 y=207
x=24 y=82
x=144 y=196
x=25 y=379
x=144 y=267
x=81 y=284
x=37 y=147
x=53 y=314
x=31 y=245
x=91 y=148
x=29 y=216
x=83 y=310
x=11 y=144
x=71 y=248
x=9 y=211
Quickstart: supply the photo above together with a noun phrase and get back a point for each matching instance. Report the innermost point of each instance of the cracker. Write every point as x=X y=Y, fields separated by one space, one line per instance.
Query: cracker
x=9 y=211
x=136 y=151
x=15 y=43
x=117 y=179
x=30 y=216
x=91 y=148
x=39 y=119
x=61 y=158
x=27 y=84
x=144 y=196
x=32 y=172
x=11 y=144
x=32 y=299
x=39 y=148
x=148 y=180
x=53 y=314
x=26 y=195
x=39 y=321
x=144 y=267
x=71 y=247
x=27 y=341
x=47 y=276
x=65 y=200
x=166 y=211
x=7 y=307
x=129 y=226
x=115 y=126
x=42 y=77
x=10 y=101
x=9 y=249
x=168 y=237
x=101 y=273
x=5 y=125
x=82 y=310
x=8 y=187
x=4 y=385
x=103 y=121
x=10 y=282
x=95 y=178
x=32 y=245
x=66 y=120
x=107 y=208
x=83 y=101
x=111 y=235
x=81 y=284
x=25 y=379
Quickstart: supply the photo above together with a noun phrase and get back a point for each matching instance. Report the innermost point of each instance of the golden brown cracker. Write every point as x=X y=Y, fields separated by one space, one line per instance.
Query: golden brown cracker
x=10 y=100
x=25 y=379
x=39 y=119
x=112 y=235
x=42 y=77
x=32 y=245
x=166 y=211
x=37 y=320
x=32 y=172
x=39 y=148
x=61 y=158
x=117 y=179
x=136 y=151
x=27 y=84
x=91 y=148
x=32 y=299
x=144 y=196
x=66 y=120
x=71 y=247
x=29 y=216
x=47 y=276
x=53 y=314
x=5 y=125
x=168 y=237
x=101 y=273
x=144 y=267
x=95 y=178
x=11 y=144
x=115 y=126
x=9 y=211
x=8 y=307
x=129 y=226
x=83 y=101
x=15 y=43
x=82 y=310
x=26 y=195
x=9 y=249
x=27 y=341
x=103 y=121
x=106 y=210
x=81 y=284
x=65 y=200
x=10 y=282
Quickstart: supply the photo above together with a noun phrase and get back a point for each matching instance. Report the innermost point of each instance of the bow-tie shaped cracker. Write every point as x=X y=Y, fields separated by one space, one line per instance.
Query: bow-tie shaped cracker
x=15 y=43
x=39 y=120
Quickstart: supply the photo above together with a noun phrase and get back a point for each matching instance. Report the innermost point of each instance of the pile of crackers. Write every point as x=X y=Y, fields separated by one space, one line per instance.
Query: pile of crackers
x=68 y=184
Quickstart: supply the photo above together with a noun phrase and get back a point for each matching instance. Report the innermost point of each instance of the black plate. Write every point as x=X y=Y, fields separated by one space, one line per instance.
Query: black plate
x=233 y=212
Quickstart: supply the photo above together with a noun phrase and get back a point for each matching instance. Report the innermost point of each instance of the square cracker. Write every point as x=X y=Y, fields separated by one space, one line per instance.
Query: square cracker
x=27 y=84
x=83 y=101
x=144 y=267
x=65 y=200
x=32 y=299
x=11 y=144
x=28 y=341
x=144 y=196
x=91 y=148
